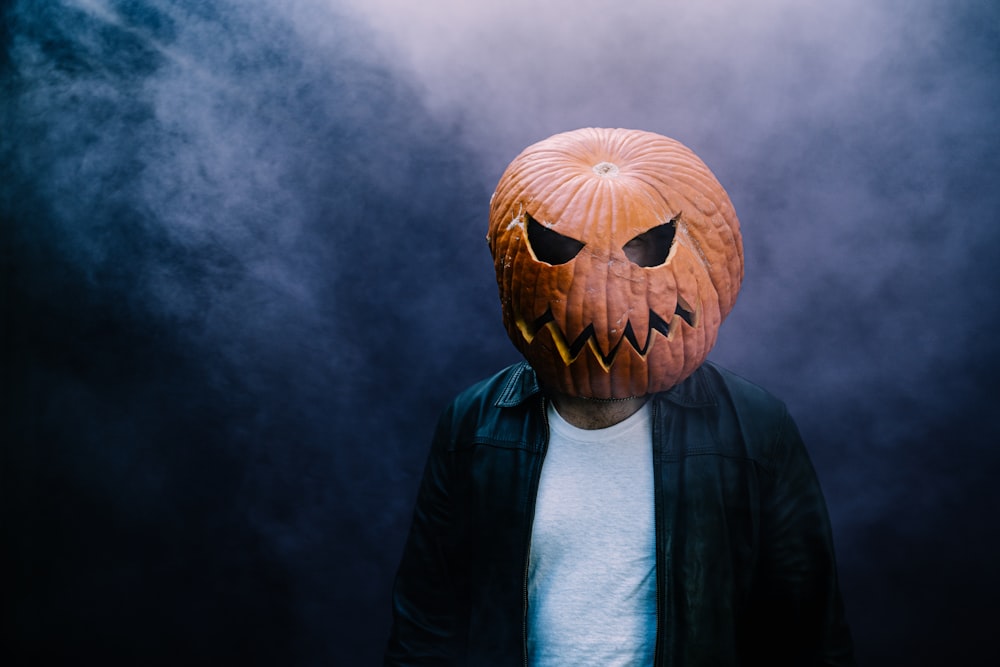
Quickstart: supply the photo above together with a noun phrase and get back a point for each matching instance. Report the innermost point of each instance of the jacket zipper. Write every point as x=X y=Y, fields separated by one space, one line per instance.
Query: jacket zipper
x=532 y=498
x=657 y=498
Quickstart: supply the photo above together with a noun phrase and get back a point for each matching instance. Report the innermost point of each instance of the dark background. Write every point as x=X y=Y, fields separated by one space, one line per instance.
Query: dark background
x=244 y=267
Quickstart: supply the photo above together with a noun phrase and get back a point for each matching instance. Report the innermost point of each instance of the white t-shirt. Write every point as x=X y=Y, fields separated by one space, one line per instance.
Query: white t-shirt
x=592 y=565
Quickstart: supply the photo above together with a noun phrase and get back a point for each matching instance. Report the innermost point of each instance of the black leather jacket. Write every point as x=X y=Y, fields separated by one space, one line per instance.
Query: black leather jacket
x=744 y=558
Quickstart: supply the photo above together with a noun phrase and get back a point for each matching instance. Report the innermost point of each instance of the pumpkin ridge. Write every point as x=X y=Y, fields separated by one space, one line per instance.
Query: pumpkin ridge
x=603 y=295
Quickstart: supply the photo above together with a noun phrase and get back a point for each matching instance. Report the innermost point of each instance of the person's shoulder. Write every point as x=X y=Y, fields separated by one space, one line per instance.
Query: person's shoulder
x=494 y=409
x=511 y=388
x=745 y=395
x=508 y=387
x=761 y=419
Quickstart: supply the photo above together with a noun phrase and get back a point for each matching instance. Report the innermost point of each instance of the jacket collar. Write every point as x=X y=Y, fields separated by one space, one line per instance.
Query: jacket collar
x=522 y=384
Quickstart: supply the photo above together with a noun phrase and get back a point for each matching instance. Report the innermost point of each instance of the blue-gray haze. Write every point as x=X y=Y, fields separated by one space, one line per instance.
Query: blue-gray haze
x=243 y=268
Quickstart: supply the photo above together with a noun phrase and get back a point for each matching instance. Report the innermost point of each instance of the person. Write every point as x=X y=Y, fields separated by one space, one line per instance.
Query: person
x=616 y=499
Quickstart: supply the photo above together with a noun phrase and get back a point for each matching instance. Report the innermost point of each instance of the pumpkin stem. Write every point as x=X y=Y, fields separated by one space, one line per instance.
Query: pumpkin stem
x=606 y=169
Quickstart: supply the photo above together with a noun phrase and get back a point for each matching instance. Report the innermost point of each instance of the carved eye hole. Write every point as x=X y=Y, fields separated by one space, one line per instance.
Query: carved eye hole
x=549 y=245
x=652 y=246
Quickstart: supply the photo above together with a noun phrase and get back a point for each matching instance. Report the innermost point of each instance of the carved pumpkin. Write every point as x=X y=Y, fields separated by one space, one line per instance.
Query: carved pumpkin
x=618 y=254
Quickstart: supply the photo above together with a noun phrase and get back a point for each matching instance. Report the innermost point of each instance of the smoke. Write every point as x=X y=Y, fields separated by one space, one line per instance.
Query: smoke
x=858 y=141
x=244 y=268
x=229 y=273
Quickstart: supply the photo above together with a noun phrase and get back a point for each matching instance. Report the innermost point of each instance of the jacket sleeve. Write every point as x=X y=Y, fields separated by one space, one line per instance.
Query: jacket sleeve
x=799 y=617
x=424 y=620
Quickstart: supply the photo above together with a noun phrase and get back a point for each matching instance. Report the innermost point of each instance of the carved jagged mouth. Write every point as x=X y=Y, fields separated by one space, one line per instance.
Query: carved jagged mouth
x=570 y=350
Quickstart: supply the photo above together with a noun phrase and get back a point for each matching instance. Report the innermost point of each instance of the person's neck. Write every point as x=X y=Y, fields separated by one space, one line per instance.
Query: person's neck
x=594 y=413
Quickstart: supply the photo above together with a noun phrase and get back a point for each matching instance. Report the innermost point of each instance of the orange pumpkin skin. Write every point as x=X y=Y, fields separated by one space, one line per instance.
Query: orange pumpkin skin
x=566 y=220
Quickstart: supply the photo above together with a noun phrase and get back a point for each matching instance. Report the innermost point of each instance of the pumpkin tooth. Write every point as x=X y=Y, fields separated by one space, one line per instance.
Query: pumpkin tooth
x=657 y=323
x=637 y=330
x=604 y=361
x=686 y=312
x=568 y=351
x=527 y=332
x=605 y=344
x=562 y=345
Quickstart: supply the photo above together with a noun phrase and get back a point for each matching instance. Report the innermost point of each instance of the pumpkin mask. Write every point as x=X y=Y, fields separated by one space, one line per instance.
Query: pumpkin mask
x=618 y=254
